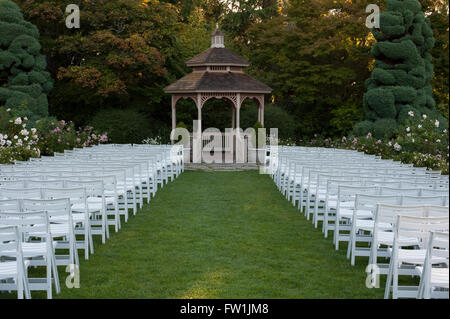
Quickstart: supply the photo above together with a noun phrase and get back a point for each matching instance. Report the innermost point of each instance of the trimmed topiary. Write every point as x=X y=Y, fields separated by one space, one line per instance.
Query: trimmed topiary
x=400 y=81
x=384 y=128
x=24 y=83
x=362 y=128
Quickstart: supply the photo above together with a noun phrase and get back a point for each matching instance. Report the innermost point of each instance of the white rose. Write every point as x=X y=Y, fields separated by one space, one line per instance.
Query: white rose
x=18 y=121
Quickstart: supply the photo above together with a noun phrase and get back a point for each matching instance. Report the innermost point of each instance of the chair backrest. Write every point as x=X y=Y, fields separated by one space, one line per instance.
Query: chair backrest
x=53 y=183
x=58 y=210
x=419 y=227
x=388 y=213
x=400 y=191
x=94 y=187
x=439 y=245
x=424 y=200
x=436 y=211
x=365 y=202
x=10 y=205
x=10 y=239
x=32 y=193
x=12 y=184
x=29 y=223
x=75 y=195
x=433 y=192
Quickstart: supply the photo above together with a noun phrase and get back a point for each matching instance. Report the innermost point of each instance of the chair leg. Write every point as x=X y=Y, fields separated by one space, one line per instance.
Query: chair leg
x=25 y=284
x=387 y=288
x=49 y=278
x=55 y=273
x=395 y=282
x=19 y=283
x=91 y=242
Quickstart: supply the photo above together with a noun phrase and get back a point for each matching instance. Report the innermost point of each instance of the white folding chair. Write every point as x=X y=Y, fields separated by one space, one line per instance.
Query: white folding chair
x=14 y=270
x=434 y=281
x=80 y=214
x=419 y=227
x=40 y=252
x=61 y=225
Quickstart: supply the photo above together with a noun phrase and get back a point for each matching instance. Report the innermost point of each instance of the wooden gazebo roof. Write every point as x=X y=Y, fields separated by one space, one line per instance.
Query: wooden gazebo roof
x=217 y=56
x=217 y=69
x=217 y=82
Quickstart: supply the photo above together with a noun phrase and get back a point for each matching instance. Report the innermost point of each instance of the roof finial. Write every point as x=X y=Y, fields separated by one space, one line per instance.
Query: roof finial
x=217 y=25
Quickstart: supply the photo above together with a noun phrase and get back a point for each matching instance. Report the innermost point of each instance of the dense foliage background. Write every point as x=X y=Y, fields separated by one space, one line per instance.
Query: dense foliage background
x=315 y=54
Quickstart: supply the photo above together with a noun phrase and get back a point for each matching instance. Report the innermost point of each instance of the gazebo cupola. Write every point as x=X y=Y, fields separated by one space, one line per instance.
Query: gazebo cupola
x=218 y=73
x=217 y=39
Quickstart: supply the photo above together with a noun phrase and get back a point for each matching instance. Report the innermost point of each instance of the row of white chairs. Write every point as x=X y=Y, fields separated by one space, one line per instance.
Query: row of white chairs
x=342 y=189
x=62 y=201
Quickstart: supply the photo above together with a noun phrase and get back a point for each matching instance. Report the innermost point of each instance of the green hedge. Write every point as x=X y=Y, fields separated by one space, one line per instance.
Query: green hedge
x=122 y=126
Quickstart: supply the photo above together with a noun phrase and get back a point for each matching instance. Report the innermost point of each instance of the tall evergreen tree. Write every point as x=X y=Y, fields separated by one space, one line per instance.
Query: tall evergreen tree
x=24 y=83
x=403 y=69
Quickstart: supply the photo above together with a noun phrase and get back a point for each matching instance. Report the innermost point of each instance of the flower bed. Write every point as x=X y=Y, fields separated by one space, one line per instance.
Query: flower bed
x=19 y=142
x=422 y=141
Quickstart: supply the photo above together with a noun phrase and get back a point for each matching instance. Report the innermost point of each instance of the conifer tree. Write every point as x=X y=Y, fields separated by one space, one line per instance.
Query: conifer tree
x=24 y=83
x=403 y=69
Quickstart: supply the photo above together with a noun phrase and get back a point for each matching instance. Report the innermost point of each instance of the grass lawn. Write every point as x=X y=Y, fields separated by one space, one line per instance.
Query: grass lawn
x=218 y=235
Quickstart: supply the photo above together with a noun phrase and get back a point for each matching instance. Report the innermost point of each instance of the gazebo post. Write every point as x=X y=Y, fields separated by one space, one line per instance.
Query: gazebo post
x=199 y=112
x=197 y=136
x=239 y=137
x=238 y=110
x=233 y=116
x=259 y=113
x=174 y=113
x=262 y=111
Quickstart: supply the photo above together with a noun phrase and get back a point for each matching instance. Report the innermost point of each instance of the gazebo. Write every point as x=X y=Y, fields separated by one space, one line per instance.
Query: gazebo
x=218 y=73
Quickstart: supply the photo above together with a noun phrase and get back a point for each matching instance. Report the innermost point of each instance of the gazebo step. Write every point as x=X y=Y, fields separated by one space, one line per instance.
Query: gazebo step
x=220 y=167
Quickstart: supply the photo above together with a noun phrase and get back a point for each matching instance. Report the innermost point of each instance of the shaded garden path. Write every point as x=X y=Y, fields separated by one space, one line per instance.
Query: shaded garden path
x=219 y=235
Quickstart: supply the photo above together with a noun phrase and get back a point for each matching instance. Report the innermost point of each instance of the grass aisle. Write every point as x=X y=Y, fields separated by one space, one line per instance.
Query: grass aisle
x=219 y=235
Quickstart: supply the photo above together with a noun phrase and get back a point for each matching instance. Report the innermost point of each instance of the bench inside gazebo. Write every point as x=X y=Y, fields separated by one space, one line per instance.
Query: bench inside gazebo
x=218 y=73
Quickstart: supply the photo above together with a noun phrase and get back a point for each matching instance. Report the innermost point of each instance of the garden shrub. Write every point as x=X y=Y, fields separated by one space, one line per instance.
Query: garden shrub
x=362 y=128
x=274 y=117
x=403 y=68
x=57 y=136
x=122 y=126
x=384 y=128
x=22 y=66
x=18 y=141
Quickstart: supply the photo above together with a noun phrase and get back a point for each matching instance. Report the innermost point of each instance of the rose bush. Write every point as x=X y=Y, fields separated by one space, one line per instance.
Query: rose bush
x=422 y=141
x=18 y=142
x=57 y=136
